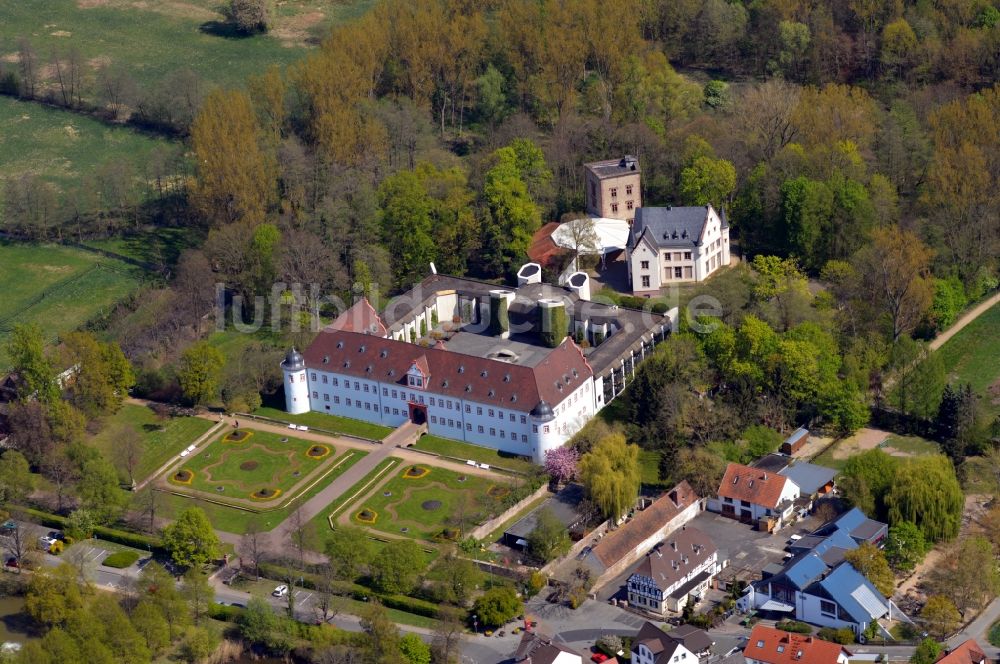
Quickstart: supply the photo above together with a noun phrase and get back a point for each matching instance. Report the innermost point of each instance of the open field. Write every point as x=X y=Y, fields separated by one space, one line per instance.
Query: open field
x=59 y=288
x=251 y=464
x=153 y=39
x=163 y=439
x=62 y=146
x=866 y=439
x=328 y=423
x=235 y=520
x=158 y=246
x=465 y=451
x=973 y=356
x=422 y=501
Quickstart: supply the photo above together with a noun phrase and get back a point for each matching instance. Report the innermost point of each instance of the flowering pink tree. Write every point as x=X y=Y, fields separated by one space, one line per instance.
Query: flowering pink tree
x=560 y=463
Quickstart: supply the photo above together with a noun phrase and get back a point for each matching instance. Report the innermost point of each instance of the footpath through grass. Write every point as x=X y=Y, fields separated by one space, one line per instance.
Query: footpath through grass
x=326 y=422
x=321 y=522
x=164 y=439
x=57 y=287
x=973 y=356
x=465 y=451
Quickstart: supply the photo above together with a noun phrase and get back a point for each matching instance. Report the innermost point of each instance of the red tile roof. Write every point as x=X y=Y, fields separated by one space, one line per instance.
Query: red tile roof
x=752 y=485
x=543 y=248
x=774 y=646
x=618 y=543
x=968 y=652
x=479 y=379
x=360 y=317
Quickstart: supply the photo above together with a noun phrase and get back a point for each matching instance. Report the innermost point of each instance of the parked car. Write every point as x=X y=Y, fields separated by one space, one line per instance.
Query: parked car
x=7 y=527
x=280 y=591
x=12 y=563
x=598 y=657
x=45 y=542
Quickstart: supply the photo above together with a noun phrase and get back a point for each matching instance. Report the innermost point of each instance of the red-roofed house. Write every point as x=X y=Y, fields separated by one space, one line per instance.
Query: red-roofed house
x=361 y=317
x=767 y=645
x=755 y=496
x=968 y=652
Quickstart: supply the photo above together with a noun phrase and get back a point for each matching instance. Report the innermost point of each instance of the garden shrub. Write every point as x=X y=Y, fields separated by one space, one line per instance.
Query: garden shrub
x=794 y=626
x=844 y=636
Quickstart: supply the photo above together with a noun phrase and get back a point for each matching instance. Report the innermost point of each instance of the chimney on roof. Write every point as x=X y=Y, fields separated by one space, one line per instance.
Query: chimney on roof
x=673 y=545
x=673 y=498
x=764 y=477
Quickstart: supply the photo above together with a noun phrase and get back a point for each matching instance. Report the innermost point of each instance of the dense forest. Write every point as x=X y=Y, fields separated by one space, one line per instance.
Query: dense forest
x=854 y=145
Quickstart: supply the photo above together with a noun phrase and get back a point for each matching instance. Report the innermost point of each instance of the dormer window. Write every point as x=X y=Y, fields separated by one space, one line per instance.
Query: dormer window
x=506 y=378
x=484 y=373
x=340 y=344
x=384 y=353
x=492 y=393
x=326 y=359
x=461 y=368
x=362 y=349
x=347 y=364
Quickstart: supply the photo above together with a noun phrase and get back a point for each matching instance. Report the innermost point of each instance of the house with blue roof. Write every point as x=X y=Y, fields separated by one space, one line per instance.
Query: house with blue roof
x=818 y=586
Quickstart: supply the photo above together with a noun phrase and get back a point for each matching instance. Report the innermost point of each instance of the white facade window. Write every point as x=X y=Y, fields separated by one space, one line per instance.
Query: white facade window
x=334 y=381
x=325 y=377
x=315 y=395
x=312 y=376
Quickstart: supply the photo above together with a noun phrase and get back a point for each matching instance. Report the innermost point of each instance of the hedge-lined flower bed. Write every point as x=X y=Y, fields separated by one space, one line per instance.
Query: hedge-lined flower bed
x=121 y=559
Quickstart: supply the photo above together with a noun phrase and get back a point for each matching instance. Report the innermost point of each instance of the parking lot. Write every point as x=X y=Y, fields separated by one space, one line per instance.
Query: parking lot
x=747 y=550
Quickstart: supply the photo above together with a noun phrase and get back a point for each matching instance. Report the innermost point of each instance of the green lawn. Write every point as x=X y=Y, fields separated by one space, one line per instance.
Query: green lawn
x=328 y=423
x=911 y=445
x=154 y=39
x=164 y=439
x=235 y=520
x=973 y=356
x=57 y=287
x=425 y=506
x=994 y=635
x=262 y=460
x=901 y=446
x=59 y=145
x=464 y=451
x=159 y=246
x=321 y=522
x=649 y=467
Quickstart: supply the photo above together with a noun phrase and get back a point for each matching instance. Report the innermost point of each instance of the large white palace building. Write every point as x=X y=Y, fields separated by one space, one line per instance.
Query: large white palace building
x=469 y=360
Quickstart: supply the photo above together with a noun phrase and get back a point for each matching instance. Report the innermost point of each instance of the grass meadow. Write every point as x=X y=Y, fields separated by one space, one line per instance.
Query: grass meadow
x=153 y=39
x=164 y=439
x=57 y=287
x=973 y=356
x=62 y=146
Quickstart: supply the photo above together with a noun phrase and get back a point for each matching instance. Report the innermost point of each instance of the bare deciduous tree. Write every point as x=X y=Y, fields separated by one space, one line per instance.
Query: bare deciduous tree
x=128 y=450
x=116 y=89
x=250 y=546
x=27 y=60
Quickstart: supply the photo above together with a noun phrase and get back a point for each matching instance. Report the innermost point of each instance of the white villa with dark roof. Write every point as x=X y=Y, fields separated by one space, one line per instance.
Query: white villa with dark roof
x=675 y=244
x=437 y=357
